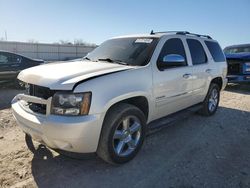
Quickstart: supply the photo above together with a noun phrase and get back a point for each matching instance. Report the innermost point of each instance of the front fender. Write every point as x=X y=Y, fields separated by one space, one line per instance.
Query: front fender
x=110 y=89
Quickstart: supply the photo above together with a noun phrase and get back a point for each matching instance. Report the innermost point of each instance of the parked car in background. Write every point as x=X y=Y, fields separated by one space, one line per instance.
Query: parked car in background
x=238 y=59
x=106 y=102
x=11 y=64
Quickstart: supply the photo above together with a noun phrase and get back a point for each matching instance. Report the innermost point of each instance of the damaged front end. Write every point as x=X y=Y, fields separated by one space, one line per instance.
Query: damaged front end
x=238 y=68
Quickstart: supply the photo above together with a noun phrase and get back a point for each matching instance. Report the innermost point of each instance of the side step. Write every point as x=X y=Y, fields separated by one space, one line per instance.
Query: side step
x=158 y=124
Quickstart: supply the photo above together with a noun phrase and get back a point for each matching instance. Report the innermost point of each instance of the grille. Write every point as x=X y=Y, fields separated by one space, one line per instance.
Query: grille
x=41 y=92
x=38 y=108
x=234 y=67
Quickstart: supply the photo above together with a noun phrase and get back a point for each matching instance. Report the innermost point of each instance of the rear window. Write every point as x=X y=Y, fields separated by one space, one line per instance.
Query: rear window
x=215 y=51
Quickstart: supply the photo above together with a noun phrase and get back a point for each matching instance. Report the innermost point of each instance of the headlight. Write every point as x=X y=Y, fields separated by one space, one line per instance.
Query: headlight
x=64 y=103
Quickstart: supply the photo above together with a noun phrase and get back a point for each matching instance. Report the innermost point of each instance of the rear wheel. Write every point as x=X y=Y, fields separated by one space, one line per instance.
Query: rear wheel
x=122 y=134
x=211 y=102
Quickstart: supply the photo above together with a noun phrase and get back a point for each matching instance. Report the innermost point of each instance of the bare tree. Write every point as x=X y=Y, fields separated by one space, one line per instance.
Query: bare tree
x=65 y=42
x=81 y=42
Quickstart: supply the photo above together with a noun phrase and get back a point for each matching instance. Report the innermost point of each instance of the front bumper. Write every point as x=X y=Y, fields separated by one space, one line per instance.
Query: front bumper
x=70 y=133
x=238 y=78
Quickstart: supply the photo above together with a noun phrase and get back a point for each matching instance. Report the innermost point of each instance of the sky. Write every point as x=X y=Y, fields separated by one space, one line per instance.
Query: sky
x=94 y=21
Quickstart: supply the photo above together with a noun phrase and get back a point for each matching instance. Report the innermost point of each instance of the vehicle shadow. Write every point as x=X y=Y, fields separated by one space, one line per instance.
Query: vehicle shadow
x=189 y=153
x=238 y=88
x=7 y=93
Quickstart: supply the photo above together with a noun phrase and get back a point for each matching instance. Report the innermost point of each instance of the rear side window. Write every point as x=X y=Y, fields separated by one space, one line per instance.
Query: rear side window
x=198 y=54
x=215 y=51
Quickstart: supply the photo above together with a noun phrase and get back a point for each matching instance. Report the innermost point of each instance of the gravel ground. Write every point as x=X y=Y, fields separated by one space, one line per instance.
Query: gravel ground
x=195 y=152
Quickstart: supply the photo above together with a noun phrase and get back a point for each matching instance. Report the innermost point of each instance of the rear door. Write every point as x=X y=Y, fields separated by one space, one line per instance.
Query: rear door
x=172 y=85
x=201 y=68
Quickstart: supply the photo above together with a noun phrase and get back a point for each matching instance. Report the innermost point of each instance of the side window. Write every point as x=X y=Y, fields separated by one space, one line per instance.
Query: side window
x=172 y=47
x=197 y=52
x=10 y=58
x=14 y=59
x=216 y=51
x=3 y=58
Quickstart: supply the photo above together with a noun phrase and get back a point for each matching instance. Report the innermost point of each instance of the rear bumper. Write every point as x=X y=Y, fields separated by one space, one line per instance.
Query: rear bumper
x=238 y=78
x=75 y=134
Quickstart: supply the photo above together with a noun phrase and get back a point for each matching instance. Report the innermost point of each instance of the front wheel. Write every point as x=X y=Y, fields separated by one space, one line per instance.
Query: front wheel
x=211 y=102
x=122 y=135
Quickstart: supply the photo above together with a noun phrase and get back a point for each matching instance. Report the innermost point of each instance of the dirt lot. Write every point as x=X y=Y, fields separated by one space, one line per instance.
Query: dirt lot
x=195 y=152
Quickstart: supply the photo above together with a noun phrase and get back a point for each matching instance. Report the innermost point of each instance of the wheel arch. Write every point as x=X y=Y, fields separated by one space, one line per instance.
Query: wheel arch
x=140 y=101
x=218 y=81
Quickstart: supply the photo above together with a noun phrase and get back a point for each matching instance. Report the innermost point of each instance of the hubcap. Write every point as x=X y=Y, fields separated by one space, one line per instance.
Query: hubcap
x=213 y=100
x=127 y=136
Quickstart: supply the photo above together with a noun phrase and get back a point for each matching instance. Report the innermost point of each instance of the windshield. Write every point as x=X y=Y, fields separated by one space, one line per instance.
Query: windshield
x=233 y=50
x=130 y=51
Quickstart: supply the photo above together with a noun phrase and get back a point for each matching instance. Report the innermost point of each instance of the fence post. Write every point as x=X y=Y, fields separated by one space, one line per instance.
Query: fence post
x=37 y=50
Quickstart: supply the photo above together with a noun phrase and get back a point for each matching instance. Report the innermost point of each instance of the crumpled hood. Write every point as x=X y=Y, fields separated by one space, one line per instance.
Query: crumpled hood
x=64 y=75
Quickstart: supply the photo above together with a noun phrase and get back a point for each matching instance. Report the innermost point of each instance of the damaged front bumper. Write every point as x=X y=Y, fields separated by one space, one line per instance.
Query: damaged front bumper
x=70 y=133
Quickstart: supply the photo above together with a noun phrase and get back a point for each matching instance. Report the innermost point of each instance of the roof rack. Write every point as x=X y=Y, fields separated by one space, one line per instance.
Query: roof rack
x=181 y=33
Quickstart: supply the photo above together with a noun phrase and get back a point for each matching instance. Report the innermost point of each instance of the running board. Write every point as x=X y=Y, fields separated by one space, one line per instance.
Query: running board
x=158 y=124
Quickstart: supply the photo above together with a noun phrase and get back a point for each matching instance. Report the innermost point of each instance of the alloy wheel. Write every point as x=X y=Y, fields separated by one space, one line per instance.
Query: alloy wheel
x=127 y=136
x=213 y=100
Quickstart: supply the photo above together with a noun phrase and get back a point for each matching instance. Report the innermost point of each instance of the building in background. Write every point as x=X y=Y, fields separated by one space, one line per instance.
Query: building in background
x=47 y=52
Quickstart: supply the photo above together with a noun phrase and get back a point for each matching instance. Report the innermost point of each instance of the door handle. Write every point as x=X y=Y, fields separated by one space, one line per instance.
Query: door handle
x=208 y=70
x=187 y=76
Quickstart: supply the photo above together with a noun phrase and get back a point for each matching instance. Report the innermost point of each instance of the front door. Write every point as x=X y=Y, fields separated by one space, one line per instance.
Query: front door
x=172 y=84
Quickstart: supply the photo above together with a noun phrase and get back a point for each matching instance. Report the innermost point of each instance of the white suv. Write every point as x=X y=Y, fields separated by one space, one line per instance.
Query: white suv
x=105 y=102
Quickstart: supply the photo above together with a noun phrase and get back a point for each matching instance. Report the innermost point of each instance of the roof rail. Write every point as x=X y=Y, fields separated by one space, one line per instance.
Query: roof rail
x=152 y=32
x=182 y=33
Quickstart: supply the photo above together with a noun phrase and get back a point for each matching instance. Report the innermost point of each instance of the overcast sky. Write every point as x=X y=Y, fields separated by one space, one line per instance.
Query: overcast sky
x=95 y=21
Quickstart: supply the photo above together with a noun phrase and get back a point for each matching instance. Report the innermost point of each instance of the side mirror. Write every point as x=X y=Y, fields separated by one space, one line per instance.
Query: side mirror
x=173 y=60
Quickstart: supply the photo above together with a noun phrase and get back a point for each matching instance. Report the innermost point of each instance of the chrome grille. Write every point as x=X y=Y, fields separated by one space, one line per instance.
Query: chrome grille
x=40 y=91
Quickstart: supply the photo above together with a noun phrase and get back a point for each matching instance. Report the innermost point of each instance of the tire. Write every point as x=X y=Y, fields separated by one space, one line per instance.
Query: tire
x=122 y=135
x=211 y=102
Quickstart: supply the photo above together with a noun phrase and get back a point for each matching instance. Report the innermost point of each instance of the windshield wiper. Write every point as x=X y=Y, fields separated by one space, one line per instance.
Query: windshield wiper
x=87 y=58
x=113 y=61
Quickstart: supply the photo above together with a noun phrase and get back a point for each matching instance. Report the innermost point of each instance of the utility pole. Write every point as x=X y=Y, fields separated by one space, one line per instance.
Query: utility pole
x=5 y=32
